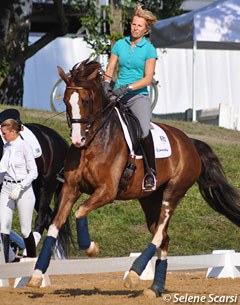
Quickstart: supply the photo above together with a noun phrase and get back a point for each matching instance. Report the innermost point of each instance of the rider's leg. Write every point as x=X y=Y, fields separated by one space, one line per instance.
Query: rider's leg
x=6 y=244
x=140 y=105
x=6 y=215
x=25 y=205
x=149 y=182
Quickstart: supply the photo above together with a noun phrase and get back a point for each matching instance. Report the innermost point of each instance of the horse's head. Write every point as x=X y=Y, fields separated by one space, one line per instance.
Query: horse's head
x=83 y=98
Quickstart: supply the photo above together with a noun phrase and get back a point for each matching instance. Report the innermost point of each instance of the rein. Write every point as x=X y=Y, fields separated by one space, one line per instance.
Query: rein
x=99 y=113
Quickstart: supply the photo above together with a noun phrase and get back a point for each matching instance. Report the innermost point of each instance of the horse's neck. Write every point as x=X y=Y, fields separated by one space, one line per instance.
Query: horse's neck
x=112 y=127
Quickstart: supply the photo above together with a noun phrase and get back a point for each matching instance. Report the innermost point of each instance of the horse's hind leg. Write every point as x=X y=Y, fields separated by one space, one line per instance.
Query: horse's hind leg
x=44 y=211
x=158 y=214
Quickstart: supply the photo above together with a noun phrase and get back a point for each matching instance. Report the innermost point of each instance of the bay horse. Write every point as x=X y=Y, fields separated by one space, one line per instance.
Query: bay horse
x=98 y=157
x=54 y=149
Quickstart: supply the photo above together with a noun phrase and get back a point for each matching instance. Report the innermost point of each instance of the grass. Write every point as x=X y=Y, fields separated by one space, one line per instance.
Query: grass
x=195 y=228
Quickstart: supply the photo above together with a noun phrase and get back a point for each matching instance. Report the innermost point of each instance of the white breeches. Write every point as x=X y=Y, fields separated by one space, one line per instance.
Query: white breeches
x=25 y=205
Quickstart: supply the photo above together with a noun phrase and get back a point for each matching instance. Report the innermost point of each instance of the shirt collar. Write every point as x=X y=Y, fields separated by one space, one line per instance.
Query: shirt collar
x=141 y=43
x=16 y=141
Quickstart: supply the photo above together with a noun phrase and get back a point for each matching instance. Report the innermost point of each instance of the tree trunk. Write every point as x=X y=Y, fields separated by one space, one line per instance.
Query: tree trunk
x=15 y=25
x=116 y=27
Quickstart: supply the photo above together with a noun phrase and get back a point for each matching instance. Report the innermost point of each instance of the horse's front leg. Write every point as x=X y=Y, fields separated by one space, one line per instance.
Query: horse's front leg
x=101 y=196
x=84 y=240
x=68 y=197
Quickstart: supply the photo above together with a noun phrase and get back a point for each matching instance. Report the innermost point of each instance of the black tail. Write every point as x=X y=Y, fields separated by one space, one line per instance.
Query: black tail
x=65 y=237
x=214 y=187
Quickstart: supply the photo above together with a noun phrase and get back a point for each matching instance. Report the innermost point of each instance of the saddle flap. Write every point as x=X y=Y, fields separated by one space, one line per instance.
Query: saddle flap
x=133 y=126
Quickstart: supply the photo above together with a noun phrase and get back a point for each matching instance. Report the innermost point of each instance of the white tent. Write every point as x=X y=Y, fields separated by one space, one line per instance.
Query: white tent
x=216 y=26
x=41 y=72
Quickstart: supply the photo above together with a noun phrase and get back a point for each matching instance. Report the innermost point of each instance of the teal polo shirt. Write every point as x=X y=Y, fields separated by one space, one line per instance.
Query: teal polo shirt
x=132 y=61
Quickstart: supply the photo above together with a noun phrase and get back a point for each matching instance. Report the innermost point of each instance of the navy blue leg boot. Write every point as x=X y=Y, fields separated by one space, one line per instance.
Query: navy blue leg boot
x=141 y=262
x=83 y=236
x=45 y=254
x=158 y=284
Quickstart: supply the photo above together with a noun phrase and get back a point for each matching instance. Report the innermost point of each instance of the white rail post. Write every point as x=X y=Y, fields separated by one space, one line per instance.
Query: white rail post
x=230 y=268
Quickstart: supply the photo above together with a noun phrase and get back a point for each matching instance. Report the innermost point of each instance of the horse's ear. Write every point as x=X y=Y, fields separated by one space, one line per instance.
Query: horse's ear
x=93 y=74
x=62 y=74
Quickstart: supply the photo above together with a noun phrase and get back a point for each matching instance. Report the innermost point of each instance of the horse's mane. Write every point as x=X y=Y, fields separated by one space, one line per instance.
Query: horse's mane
x=81 y=71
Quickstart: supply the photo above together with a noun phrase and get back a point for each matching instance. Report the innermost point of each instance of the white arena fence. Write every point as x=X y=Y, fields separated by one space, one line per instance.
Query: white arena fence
x=221 y=263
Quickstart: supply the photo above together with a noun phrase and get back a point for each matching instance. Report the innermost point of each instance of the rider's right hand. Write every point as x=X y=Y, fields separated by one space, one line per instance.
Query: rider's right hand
x=107 y=88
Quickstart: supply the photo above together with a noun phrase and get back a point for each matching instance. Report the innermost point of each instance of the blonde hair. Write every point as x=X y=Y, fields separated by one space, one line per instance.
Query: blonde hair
x=12 y=124
x=149 y=17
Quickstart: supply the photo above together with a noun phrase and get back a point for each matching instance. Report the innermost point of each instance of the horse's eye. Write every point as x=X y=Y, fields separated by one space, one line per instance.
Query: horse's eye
x=85 y=103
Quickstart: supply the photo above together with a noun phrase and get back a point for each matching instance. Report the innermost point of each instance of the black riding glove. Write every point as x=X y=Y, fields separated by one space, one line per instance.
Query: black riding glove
x=121 y=91
x=107 y=88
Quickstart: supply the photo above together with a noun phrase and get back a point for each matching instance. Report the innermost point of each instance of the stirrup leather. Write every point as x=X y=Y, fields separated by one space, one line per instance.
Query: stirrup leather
x=154 y=187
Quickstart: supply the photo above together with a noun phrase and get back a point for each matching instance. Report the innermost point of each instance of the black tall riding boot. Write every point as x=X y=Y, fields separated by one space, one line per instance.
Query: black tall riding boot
x=6 y=244
x=30 y=245
x=149 y=180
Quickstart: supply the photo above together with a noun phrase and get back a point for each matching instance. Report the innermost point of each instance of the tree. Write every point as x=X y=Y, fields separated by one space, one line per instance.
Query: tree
x=105 y=24
x=14 y=36
x=163 y=8
x=14 y=49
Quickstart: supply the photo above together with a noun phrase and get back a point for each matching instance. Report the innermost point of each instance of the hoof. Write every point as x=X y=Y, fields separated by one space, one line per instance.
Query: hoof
x=35 y=282
x=132 y=280
x=93 y=250
x=149 y=293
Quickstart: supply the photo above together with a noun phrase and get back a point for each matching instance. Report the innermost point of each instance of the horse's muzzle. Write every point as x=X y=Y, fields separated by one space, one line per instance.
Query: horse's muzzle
x=80 y=143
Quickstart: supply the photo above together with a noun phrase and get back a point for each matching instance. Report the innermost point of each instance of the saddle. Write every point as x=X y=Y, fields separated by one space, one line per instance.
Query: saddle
x=135 y=133
x=133 y=126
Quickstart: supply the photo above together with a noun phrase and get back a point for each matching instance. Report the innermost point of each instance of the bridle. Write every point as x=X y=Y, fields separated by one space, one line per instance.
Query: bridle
x=88 y=121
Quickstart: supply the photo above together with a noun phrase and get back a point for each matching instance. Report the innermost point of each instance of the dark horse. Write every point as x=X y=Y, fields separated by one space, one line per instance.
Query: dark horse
x=54 y=149
x=98 y=136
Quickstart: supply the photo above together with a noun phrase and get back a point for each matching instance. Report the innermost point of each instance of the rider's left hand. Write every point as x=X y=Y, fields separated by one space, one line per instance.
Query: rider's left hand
x=121 y=91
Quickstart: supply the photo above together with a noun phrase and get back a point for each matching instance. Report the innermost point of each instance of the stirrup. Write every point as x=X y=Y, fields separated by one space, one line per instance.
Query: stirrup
x=154 y=187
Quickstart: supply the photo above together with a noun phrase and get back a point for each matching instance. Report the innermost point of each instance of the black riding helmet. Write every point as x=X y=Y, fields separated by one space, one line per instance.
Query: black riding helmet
x=10 y=114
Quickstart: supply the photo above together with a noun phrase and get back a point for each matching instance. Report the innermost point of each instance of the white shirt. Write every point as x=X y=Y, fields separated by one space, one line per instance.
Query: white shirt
x=19 y=162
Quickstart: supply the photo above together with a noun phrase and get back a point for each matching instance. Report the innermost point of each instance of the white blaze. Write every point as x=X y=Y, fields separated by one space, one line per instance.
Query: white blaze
x=76 y=127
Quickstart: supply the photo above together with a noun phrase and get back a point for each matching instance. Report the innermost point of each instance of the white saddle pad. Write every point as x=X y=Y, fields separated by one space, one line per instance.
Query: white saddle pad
x=29 y=137
x=160 y=139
